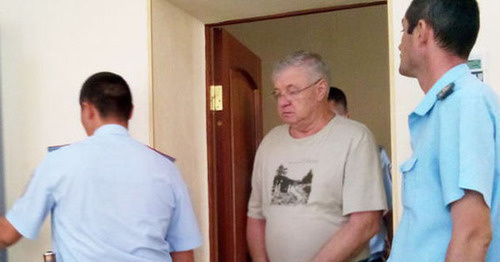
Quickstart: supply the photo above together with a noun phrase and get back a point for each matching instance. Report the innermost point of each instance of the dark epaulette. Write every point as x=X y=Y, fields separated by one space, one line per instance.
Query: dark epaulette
x=54 y=148
x=163 y=154
x=445 y=92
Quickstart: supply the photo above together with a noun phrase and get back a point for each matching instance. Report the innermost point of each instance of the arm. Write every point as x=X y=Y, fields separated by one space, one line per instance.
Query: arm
x=471 y=229
x=183 y=256
x=388 y=225
x=256 y=229
x=8 y=234
x=351 y=237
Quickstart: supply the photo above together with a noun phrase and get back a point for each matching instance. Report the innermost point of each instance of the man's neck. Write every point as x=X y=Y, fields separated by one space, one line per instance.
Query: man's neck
x=114 y=122
x=104 y=122
x=436 y=67
x=312 y=125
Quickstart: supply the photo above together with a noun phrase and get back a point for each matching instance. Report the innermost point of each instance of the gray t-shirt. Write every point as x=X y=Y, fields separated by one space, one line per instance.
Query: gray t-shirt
x=306 y=188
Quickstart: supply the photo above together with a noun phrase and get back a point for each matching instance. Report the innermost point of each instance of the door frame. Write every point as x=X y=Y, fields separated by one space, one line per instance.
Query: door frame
x=3 y=253
x=210 y=80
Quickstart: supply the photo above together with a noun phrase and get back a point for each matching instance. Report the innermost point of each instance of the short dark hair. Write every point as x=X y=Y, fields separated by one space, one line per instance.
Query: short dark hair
x=109 y=93
x=338 y=96
x=455 y=22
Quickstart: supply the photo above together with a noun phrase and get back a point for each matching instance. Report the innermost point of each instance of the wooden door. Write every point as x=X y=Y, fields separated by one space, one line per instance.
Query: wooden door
x=234 y=134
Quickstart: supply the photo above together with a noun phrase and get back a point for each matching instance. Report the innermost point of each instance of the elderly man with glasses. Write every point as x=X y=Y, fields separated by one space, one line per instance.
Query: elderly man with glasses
x=317 y=191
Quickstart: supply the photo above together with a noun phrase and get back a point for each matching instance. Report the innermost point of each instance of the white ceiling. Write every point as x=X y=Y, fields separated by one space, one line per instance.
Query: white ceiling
x=214 y=11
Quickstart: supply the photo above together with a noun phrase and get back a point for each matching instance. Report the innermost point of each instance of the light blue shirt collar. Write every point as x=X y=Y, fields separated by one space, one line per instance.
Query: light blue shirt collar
x=431 y=96
x=111 y=129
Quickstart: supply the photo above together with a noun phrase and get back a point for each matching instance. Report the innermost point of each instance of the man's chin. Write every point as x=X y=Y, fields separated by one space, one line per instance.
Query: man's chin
x=405 y=72
x=287 y=119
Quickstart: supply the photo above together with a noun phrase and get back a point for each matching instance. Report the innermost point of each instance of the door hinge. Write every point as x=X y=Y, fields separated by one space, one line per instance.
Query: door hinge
x=216 y=98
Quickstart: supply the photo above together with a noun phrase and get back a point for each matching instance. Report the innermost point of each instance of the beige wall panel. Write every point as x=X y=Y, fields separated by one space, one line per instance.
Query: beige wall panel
x=179 y=102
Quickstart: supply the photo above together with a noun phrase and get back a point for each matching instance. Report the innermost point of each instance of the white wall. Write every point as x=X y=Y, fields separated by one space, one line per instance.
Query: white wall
x=179 y=102
x=488 y=44
x=47 y=50
x=406 y=91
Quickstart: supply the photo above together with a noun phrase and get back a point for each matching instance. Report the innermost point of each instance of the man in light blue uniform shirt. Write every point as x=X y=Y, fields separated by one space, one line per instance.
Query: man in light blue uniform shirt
x=451 y=183
x=111 y=198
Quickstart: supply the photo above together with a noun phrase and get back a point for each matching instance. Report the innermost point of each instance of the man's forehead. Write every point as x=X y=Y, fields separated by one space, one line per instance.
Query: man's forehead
x=290 y=75
x=287 y=83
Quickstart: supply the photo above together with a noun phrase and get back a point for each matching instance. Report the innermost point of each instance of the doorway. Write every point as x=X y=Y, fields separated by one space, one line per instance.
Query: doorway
x=353 y=41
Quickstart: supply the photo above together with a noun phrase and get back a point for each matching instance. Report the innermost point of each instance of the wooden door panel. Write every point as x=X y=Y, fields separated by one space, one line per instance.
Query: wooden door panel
x=234 y=136
x=244 y=140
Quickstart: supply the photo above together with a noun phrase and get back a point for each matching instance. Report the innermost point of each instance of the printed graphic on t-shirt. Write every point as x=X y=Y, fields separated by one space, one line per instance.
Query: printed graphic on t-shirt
x=290 y=192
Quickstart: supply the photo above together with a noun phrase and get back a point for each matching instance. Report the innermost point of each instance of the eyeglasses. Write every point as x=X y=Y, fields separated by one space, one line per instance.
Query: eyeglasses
x=292 y=93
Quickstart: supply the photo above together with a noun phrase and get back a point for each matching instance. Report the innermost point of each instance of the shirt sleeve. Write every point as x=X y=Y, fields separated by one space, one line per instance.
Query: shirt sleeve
x=28 y=212
x=183 y=233
x=363 y=188
x=255 y=201
x=467 y=154
x=387 y=176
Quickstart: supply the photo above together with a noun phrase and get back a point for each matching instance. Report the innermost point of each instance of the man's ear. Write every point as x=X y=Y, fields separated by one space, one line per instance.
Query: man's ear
x=323 y=89
x=86 y=110
x=424 y=32
x=89 y=110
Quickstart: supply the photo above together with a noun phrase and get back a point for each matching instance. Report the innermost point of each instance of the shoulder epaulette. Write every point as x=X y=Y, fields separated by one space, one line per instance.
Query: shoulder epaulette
x=163 y=154
x=445 y=92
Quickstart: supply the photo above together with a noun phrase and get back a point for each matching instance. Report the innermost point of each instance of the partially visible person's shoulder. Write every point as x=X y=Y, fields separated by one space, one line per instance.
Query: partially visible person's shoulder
x=349 y=126
x=278 y=130
x=64 y=155
x=160 y=157
x=470 y=86
x=275 y=133
x=66 y=150
x=351 y=130
x=168 y=157
x=468 y=91
x=150 y=154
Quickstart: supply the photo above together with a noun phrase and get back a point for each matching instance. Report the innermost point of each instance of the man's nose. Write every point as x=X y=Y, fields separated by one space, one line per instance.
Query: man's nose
x=283 y=100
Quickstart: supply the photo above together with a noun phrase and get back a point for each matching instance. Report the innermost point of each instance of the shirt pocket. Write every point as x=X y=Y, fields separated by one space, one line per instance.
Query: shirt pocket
x=410 y=181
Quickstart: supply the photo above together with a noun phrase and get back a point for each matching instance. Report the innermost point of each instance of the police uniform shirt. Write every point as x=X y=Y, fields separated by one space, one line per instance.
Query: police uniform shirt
x=111 y=199
x=455 y=139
